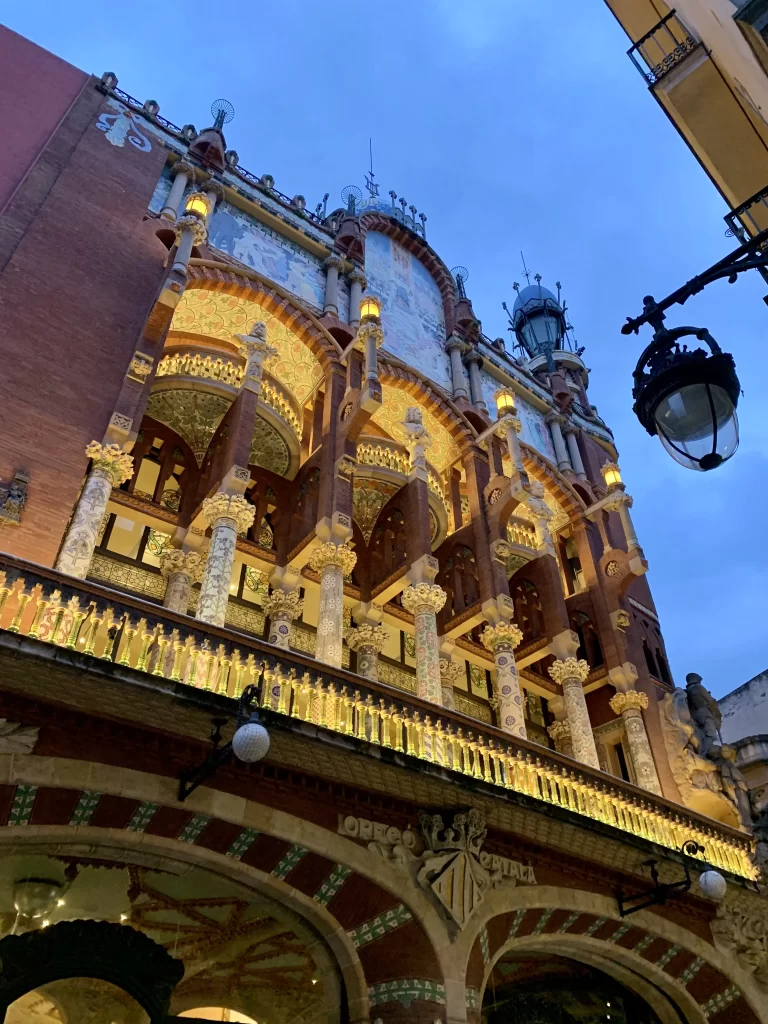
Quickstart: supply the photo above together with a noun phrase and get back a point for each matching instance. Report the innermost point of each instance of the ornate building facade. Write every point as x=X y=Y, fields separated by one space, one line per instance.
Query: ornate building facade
x=262 y=468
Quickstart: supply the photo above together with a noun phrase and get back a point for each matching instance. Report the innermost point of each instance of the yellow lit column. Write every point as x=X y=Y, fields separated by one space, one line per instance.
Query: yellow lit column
x=180 y=569
x=110 y=467
x=191 y=229
x=333 y=562
x=630 y=705
x=501 y=640
x=228 y=515
x=369 y=641
x=571 y=674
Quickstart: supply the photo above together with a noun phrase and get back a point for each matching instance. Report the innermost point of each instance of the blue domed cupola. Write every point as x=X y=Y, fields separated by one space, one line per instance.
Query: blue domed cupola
x=538 y=320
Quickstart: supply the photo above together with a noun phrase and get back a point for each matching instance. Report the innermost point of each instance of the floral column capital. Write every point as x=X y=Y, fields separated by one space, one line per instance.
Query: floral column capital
x=423 y=597
x=329 y=553
x=112 y=461
x=285 y=603
x=450 y=672
x=560 y=733
x=367 y=635
x=229 y=506
x=191 y=223
x=505 y=633
x=175 y=560
x=632 y=700
x=569 y=669
x=372 y=331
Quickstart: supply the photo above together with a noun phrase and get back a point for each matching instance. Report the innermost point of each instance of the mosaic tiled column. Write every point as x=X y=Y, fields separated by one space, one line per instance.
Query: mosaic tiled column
x=333 y=562
x=570 y=674
x=630 y=706
x=368 y=640
x=423 y=601
x=282 y=607
x=181 y=569
x=450 y=673
x=501 y=640
x=560 y=730
x=111 y=466
x=228 y=515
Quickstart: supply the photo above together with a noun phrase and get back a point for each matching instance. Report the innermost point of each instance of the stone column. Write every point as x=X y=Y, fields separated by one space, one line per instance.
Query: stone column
x=372 y=337
x=622 y=503
x=450 y=671
x=630 y=706
x=357 y=282
x=181 y=569
x=213 y=191
x=570 y=673
x=501 y=640
x=556 y=421
x=368 y=640
x=332 y=265
x=454 y=347
x=256 y=351
x=474 y=362
x=190 y=231
x=227 y=515
x=423 y=601
x=180 y=172
x=111 y=466
x=282 y=607
x=560 y=730
x=333 y=562
x=508 y=429
x=571 y=438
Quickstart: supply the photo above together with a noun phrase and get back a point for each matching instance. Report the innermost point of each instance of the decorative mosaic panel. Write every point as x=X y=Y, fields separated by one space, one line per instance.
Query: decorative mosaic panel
x=194 y=415
x=390 y=415
x=289 y=861
x=471 y=707
x=405 y=991
x=332 y=884
x=268 y=449
x=242 y=844
x=125 y=576
x=221 y=316
x=371 y=930
x=412 y=307
x=399 y=677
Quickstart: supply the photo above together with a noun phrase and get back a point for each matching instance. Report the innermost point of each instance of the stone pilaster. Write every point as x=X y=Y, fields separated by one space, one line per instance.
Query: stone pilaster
x=455 y=346
x=368 y=640
x=556 y=421
x=357 y=283
x=111 y=466
x=450 y=673
x=630 y=706
x=571 y=673
x=474 y=361
x=333 y=562
x=423 y=601
x=227 y=515
x=622 y=503
x=332 y=265
x=180 y=569
x=282 y=607
x=501 y=640
x=508 y=428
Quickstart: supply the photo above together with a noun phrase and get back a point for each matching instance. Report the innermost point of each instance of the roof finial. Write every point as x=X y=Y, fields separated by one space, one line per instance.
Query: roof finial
x=370 y=184
x=526 y=271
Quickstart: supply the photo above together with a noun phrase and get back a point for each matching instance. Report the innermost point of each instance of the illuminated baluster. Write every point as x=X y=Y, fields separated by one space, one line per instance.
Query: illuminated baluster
x=373 y=714
x=112 y=627
x=4 y=591
x=92 y=631
x=78 y=614
x=147 y=637
x=129 y=632
x=23 y=599
x=178 y=653
x=398 y=719
x=251 y=672
x=224 y=661
x=332 y=707
x=162 y=647
x=349 y=713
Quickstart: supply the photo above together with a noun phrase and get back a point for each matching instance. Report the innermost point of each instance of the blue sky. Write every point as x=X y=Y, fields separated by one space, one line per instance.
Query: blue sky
x=512 y=126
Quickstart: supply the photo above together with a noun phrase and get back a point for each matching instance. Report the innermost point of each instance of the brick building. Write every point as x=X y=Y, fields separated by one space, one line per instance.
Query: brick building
x=262 y=470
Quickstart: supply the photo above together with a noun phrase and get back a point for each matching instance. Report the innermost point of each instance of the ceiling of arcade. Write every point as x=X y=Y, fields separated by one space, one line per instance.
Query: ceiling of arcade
x=238 y=949
x=221 y=316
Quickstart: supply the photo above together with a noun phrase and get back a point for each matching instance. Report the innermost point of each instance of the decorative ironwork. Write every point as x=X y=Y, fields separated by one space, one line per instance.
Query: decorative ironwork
x=660 y=892
x=663 y=48
x=62 y=611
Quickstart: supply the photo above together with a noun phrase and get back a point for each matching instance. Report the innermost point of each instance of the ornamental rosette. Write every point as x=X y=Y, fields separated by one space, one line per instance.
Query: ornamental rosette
x=367 y=635
x=506 y=633
x=632 y=700
x=423 y=597
x=193 y=224
x=285 y=603
x=329 y=553
x=569 y=669
x=450 y=672
x=229 y=506
x=112 y=461
x=174 y=560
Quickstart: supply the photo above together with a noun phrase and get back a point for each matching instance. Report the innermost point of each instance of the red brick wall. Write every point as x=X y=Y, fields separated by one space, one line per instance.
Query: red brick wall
x=74 y=294
x=38 y=89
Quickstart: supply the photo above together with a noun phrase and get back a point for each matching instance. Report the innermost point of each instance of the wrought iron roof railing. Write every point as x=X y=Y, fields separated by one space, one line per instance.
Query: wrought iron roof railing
x=93 y=622
x=662 y=49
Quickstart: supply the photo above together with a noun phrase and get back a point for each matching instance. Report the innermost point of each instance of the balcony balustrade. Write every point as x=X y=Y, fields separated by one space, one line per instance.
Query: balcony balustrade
x=662 y=49
x=521 y=534
x=389 y=456
x=45 y=607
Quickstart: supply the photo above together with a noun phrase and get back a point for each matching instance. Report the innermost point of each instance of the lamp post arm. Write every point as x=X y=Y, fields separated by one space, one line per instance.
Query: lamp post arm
x=750 y=256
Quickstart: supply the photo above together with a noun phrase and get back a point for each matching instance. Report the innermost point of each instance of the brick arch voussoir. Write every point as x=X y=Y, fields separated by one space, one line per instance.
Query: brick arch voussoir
x=438 y=405
x=252 y=287
x=381 y=222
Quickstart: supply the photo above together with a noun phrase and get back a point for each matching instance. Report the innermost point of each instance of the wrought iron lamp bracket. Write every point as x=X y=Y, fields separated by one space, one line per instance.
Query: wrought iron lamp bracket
x=661 y=891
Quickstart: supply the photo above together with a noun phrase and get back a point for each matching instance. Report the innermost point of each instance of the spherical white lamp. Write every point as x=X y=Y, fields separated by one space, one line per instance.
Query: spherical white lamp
x=251 y=742
x=712 y=885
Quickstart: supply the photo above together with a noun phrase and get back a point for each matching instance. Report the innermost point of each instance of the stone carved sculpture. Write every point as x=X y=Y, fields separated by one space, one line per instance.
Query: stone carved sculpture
x=13 y=498
x=16 y=738
x=741 y=929
x=703 y=767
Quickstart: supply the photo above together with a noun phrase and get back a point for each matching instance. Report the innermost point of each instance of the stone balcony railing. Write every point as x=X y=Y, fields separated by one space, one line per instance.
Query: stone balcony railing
x=190 y=364
x=521 y=533
x=91 y=622
x=395 y=457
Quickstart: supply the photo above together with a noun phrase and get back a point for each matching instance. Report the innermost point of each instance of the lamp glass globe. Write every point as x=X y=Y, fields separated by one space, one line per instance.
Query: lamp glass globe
x=712 y=885
x=251 y=742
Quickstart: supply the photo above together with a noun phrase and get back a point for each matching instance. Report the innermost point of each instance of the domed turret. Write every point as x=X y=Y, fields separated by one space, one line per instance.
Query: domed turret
x=538 y=320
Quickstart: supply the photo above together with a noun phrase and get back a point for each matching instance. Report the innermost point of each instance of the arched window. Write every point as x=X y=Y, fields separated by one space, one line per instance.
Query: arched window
x=458 y=577
x=163 y=466
x=590 y=648
x=650 y=660
x=528 y=611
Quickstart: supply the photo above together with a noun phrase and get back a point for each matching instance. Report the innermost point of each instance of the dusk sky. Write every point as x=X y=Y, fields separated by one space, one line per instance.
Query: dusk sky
x=514 y=126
